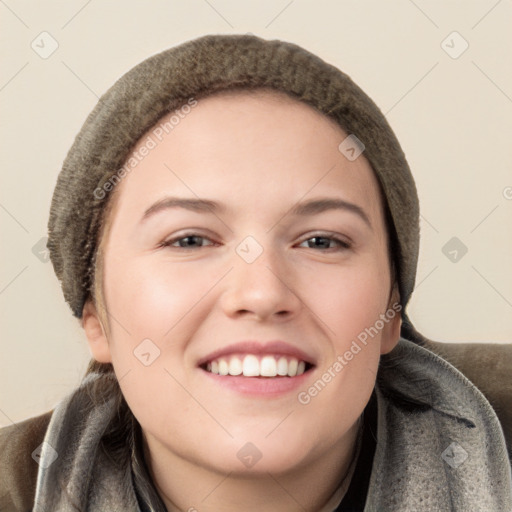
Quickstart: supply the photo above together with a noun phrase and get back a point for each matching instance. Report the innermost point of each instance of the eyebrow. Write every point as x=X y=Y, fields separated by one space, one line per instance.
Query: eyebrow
x=316 y=206
x=195 y=205
x=311 y=207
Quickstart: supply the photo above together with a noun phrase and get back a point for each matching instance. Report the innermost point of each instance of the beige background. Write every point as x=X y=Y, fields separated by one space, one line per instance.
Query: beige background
x=451 y=115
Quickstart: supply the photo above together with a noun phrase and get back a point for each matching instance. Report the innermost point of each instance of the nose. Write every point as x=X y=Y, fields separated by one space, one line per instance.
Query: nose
x=264 y=288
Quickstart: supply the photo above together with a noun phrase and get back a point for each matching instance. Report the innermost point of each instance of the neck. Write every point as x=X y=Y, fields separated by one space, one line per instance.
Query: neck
x=185 y=486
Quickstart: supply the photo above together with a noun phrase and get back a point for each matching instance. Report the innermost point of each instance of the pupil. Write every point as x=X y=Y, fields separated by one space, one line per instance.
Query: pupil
x=316 y=238
x=189 y=239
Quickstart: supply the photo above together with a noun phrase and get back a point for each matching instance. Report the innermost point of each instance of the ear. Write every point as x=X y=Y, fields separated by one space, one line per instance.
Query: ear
x=391 y=329
x=96 y=337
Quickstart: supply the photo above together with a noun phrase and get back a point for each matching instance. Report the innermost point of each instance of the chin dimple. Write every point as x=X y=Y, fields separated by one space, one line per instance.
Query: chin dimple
x=250 y=365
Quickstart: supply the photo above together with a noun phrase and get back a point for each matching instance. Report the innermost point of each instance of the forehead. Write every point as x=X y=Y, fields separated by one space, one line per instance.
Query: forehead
x=247 y=148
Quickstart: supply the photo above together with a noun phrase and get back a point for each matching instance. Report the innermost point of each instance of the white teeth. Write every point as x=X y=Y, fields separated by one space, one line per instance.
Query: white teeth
x=252 y=366
x=292 y=367
x=268 y=367
x=282 y=366
x=235 y=366
x=223 y=367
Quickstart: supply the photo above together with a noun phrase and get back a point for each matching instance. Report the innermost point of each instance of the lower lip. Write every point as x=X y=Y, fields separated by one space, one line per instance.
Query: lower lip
x=260 y=386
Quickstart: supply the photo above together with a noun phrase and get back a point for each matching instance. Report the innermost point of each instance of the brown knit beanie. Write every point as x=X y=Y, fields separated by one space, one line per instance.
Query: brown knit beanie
x=166 y=81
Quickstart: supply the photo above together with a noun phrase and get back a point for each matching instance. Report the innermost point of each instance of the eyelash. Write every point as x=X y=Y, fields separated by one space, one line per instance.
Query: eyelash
x=168 y=243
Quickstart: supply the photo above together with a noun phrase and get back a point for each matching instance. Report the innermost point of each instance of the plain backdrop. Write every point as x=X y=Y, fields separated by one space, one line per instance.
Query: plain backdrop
x=438 y=70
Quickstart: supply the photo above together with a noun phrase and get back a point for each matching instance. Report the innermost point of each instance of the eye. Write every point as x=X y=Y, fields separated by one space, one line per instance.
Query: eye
x=189 y=240
x=322 y=242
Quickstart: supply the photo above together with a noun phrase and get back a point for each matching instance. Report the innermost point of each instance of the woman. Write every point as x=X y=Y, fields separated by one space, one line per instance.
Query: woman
x=272 y=366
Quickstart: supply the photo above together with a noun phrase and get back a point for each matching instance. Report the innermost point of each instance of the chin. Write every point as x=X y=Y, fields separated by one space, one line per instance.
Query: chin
x=261 y=457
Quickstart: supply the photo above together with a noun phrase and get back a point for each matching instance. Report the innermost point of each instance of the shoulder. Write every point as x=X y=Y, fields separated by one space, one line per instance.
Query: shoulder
x=18 y=469
x=433 y=419
x=430 y=375
x=470 y=383
x=487 y=366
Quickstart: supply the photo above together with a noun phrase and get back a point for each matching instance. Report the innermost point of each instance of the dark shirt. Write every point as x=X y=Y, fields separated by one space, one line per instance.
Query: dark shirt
x=355 y=497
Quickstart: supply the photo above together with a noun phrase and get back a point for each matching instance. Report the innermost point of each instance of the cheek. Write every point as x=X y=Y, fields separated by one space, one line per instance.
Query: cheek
x=153 y=298
x=350 y=307
x=350 y=299
x=156 y=312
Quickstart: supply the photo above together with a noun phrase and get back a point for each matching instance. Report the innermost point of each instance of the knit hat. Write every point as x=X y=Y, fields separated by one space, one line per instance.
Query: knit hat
x=166 y=81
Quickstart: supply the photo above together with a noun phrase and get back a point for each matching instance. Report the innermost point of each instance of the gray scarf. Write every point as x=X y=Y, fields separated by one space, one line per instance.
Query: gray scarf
x=440 y=446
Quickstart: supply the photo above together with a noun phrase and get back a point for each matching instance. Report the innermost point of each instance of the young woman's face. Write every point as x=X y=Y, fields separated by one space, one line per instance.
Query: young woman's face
x=182 y=283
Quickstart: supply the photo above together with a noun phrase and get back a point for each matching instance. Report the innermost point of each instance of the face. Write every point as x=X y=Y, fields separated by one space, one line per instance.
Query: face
x=253 y=264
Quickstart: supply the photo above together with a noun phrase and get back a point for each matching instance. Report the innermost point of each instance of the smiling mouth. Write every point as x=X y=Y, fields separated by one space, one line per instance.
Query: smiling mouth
x=251 y=365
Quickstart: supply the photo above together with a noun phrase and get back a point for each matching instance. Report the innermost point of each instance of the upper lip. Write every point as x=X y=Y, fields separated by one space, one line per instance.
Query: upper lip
x=257 y=347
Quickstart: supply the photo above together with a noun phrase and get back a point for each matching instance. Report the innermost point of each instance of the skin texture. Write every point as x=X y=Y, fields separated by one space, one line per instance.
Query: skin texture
x=259 y=154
